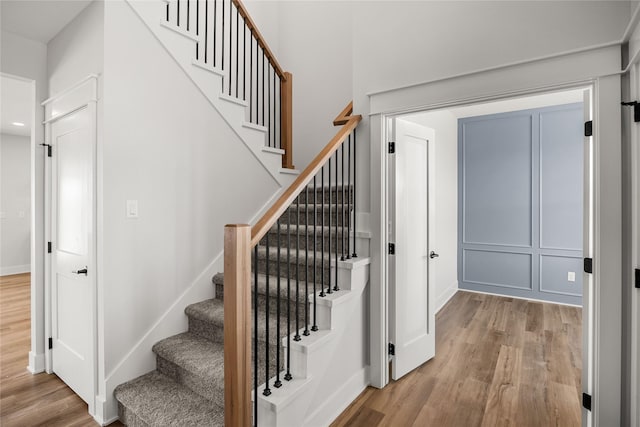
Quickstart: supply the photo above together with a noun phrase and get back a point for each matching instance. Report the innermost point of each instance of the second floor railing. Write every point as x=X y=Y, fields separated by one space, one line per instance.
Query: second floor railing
x=229 y=42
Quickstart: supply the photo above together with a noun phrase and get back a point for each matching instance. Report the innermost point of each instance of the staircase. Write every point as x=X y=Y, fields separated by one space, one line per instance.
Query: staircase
x=187 y=387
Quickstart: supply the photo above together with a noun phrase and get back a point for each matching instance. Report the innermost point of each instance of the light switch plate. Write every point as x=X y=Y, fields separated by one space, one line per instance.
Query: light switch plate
x=571 y=276
x=132 y=209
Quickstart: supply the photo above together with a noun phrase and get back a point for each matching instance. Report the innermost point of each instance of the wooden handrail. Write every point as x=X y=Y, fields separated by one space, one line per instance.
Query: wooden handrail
x=261 y=41
x=271 y=216
x=344 y=115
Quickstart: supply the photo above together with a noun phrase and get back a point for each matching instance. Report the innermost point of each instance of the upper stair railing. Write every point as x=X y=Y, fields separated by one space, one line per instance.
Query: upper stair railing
x=326 y=236
x=229 y=43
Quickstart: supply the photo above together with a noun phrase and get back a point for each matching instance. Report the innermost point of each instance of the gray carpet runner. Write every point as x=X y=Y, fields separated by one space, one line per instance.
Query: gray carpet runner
x=187 y=387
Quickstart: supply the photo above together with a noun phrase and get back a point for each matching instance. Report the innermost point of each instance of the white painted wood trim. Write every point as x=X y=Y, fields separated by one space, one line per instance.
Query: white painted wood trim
x=202 y=65
x=233 y=100
x=273 y=150
x=289 y=171
x=446 y=296
x=15 y=269
x=255 y=127
x=178 y=30
x=83 y=94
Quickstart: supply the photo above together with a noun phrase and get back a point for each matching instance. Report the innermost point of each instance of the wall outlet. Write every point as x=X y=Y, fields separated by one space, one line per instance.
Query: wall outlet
x=571 y=276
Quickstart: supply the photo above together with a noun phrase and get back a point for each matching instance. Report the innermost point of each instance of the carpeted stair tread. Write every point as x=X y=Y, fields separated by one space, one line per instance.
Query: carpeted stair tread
x=218 y=280
x=306 y=229
x=155 y=400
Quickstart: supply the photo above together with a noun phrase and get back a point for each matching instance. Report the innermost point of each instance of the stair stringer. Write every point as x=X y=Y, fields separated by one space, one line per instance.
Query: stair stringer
x=180 y=45
x=330 y=367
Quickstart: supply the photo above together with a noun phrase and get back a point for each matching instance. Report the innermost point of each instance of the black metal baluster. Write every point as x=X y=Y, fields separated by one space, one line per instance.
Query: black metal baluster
x=255 y=335
x=342 y=257
x=330 y=220
x=197 y=28
x=335 y=286
x=215 y=30
x=322 y=294
x=230 y=45
x=244 y=60
x=257 y=81
x=297 y=335
x=222 y=44
x=278 y=383
x=269 y=107
x=315 y=251
x=355 y=211
x=288 y=375
x=263 y=55
x=167 y=12
x=306 y=261
x=267 y=390
x=188 y=14
x=349 y=192
x=237 y=44
x=178 y=14
x=251 y=79
x=206 y=28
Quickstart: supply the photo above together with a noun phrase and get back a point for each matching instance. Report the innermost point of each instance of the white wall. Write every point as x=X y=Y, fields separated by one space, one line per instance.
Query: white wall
x=77 y=50
x=167 y=147
x=28 y=59
x=15 y=198
x=445 y=125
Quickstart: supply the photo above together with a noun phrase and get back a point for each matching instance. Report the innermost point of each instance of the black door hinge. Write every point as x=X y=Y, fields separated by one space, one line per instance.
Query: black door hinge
x=392 y=350
x=48 y=247
x=586 y=401
x=392 y=248
x=392 y=147
x=588 y=128
x=588 y=265
x=48 y=149
x=638 y=278
x=636 y=109
x=50 y=343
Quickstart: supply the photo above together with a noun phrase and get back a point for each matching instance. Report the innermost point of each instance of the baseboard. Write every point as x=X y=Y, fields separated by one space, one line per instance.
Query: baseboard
x=446 y=295
x=340 y=399
x=15 y=269
x=140 y=358
x=521 y=298
x=36 y=363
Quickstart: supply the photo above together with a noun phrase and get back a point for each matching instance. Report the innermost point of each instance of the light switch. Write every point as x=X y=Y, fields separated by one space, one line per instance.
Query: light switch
x=132 y=209
x=571 y=276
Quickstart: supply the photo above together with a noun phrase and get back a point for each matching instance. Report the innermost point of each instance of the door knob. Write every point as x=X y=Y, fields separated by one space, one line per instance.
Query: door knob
x=82 y=271
x=433 y=255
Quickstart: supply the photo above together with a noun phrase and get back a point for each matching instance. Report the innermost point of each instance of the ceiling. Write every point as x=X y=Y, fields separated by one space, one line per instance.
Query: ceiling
x=16 y=103
x=39 y=20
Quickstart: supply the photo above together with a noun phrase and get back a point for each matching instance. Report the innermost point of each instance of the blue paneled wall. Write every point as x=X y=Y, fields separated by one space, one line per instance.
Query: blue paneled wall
x=520 y=203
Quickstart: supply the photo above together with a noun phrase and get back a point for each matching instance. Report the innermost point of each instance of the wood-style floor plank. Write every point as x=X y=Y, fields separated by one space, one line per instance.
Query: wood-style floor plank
x=26 y=399
x=499 y=362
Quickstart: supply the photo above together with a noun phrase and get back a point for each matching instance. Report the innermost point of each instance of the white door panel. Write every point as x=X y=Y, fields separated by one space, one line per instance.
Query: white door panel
x=412 y=317
x=72 y=236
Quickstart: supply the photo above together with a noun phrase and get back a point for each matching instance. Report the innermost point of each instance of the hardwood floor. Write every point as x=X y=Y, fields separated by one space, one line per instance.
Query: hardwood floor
x=26 y=399
x=499 y=361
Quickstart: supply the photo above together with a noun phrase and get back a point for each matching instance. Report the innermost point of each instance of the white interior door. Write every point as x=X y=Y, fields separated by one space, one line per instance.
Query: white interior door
x=587 y=252
x=411 y=220
x=73 y=266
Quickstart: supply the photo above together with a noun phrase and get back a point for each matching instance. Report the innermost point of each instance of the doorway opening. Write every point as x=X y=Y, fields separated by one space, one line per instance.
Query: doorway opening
x=507 y=338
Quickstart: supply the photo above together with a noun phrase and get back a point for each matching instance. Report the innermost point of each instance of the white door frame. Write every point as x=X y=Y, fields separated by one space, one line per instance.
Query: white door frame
x=83 y=94
x=600 y=70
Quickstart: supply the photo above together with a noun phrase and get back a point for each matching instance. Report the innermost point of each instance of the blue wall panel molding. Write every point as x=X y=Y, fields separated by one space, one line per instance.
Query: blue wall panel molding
x=520 y=199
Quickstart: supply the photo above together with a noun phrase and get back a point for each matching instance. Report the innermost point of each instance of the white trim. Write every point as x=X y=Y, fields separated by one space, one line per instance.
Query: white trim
x=83 y=94
x=69 y=89
x=520 y=298
x=202 y=65
x=178 y=30
x=446 y=296
x=340 y=399
x=36 y=363
x=15 y=269
x=499 y=67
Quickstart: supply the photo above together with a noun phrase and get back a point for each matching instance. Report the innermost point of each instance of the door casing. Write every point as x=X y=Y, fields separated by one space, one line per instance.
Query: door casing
x=83 y=94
